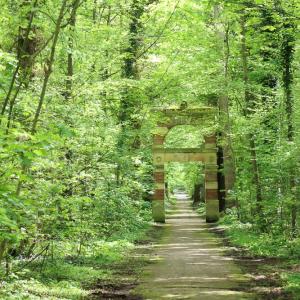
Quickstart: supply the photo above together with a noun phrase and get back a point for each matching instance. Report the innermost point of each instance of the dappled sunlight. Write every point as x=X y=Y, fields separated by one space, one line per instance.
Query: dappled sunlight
x=200 y=243
x=225 y=258
x=192 y=279
x=204 y=263
x=181 y=216
x=131 y=131
x=222 y=293
x=194 y=229
x=156 y=258
x=176 y=211
x=176 y=296
x=179 y=296
x=191 y=263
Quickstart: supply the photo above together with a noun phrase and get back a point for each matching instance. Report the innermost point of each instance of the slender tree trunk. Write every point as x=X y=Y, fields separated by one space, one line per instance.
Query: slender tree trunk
x=105 y=72
x=11 y=87
x=196 y=194
x=22 y=53
x=3 y=245
x=11 y=107
x=95 y=11
x=70 y=63
x=48 y=65
x=224 y=108
x=288 y=81
x=221 y=179
x=249 y=106
x=226 y=175
x=47 y=70
x=128 y=103
x=287 y=57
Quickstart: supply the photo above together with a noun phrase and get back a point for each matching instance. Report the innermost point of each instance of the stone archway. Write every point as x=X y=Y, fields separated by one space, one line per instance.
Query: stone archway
x=207 y=154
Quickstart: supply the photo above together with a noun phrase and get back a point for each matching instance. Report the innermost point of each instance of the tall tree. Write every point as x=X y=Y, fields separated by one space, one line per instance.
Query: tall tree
x=249 y=105
x=48 y=65
x=70 y=63
x=288 y=38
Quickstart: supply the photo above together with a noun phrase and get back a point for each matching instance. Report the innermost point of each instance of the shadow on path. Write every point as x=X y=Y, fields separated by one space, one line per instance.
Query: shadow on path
x=191 y=262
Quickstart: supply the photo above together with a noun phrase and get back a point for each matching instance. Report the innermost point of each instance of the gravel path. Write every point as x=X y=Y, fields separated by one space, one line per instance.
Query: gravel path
x=191 y=262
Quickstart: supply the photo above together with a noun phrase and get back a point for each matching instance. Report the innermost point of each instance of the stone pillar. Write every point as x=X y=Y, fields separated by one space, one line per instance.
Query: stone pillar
x=158 y=201
x=211 y=183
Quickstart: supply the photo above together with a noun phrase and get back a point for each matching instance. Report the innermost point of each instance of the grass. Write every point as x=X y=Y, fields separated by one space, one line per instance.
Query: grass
x=63 y=278
x=201 y=209
x=266 y=245
x=292 y=283
x=66 y=276
x=258 y=243
x=34 y=289
x=59 y=279
x=171 y=200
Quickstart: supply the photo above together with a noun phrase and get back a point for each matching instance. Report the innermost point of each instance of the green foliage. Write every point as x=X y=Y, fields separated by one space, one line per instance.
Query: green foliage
x=259 y=244
x=33 y=290
x=66 y=278
x=84 y=174
x=184 y=176
x=201 y=210
x=292 y=281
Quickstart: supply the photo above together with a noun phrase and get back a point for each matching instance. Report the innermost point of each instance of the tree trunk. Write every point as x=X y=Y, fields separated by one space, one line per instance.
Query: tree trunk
x=48 y=65
x=197 y=194
x=249 y=103
x=22 y=56
x=228 y=165
x=3 y=244
x=221 y=179
x=70 y=69
x=287 y=56
x=129 y=104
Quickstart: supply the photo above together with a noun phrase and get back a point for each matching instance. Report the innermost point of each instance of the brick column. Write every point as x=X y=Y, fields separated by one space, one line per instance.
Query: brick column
x=211 y=182
x=158 y=201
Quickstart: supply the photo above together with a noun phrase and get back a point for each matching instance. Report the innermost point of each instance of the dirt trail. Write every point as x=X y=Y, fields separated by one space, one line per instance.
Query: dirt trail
x=191 y=262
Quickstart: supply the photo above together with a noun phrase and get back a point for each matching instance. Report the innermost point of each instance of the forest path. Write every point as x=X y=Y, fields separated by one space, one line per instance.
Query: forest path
x=191 y=262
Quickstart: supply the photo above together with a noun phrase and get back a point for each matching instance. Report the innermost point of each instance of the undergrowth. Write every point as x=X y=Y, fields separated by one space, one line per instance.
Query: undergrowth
x=201 y=210
x=266 y=244
x=63 y=274
x=64 y=277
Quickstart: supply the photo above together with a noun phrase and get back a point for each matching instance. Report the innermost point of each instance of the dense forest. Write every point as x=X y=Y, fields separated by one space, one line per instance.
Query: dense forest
x=79 y=82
